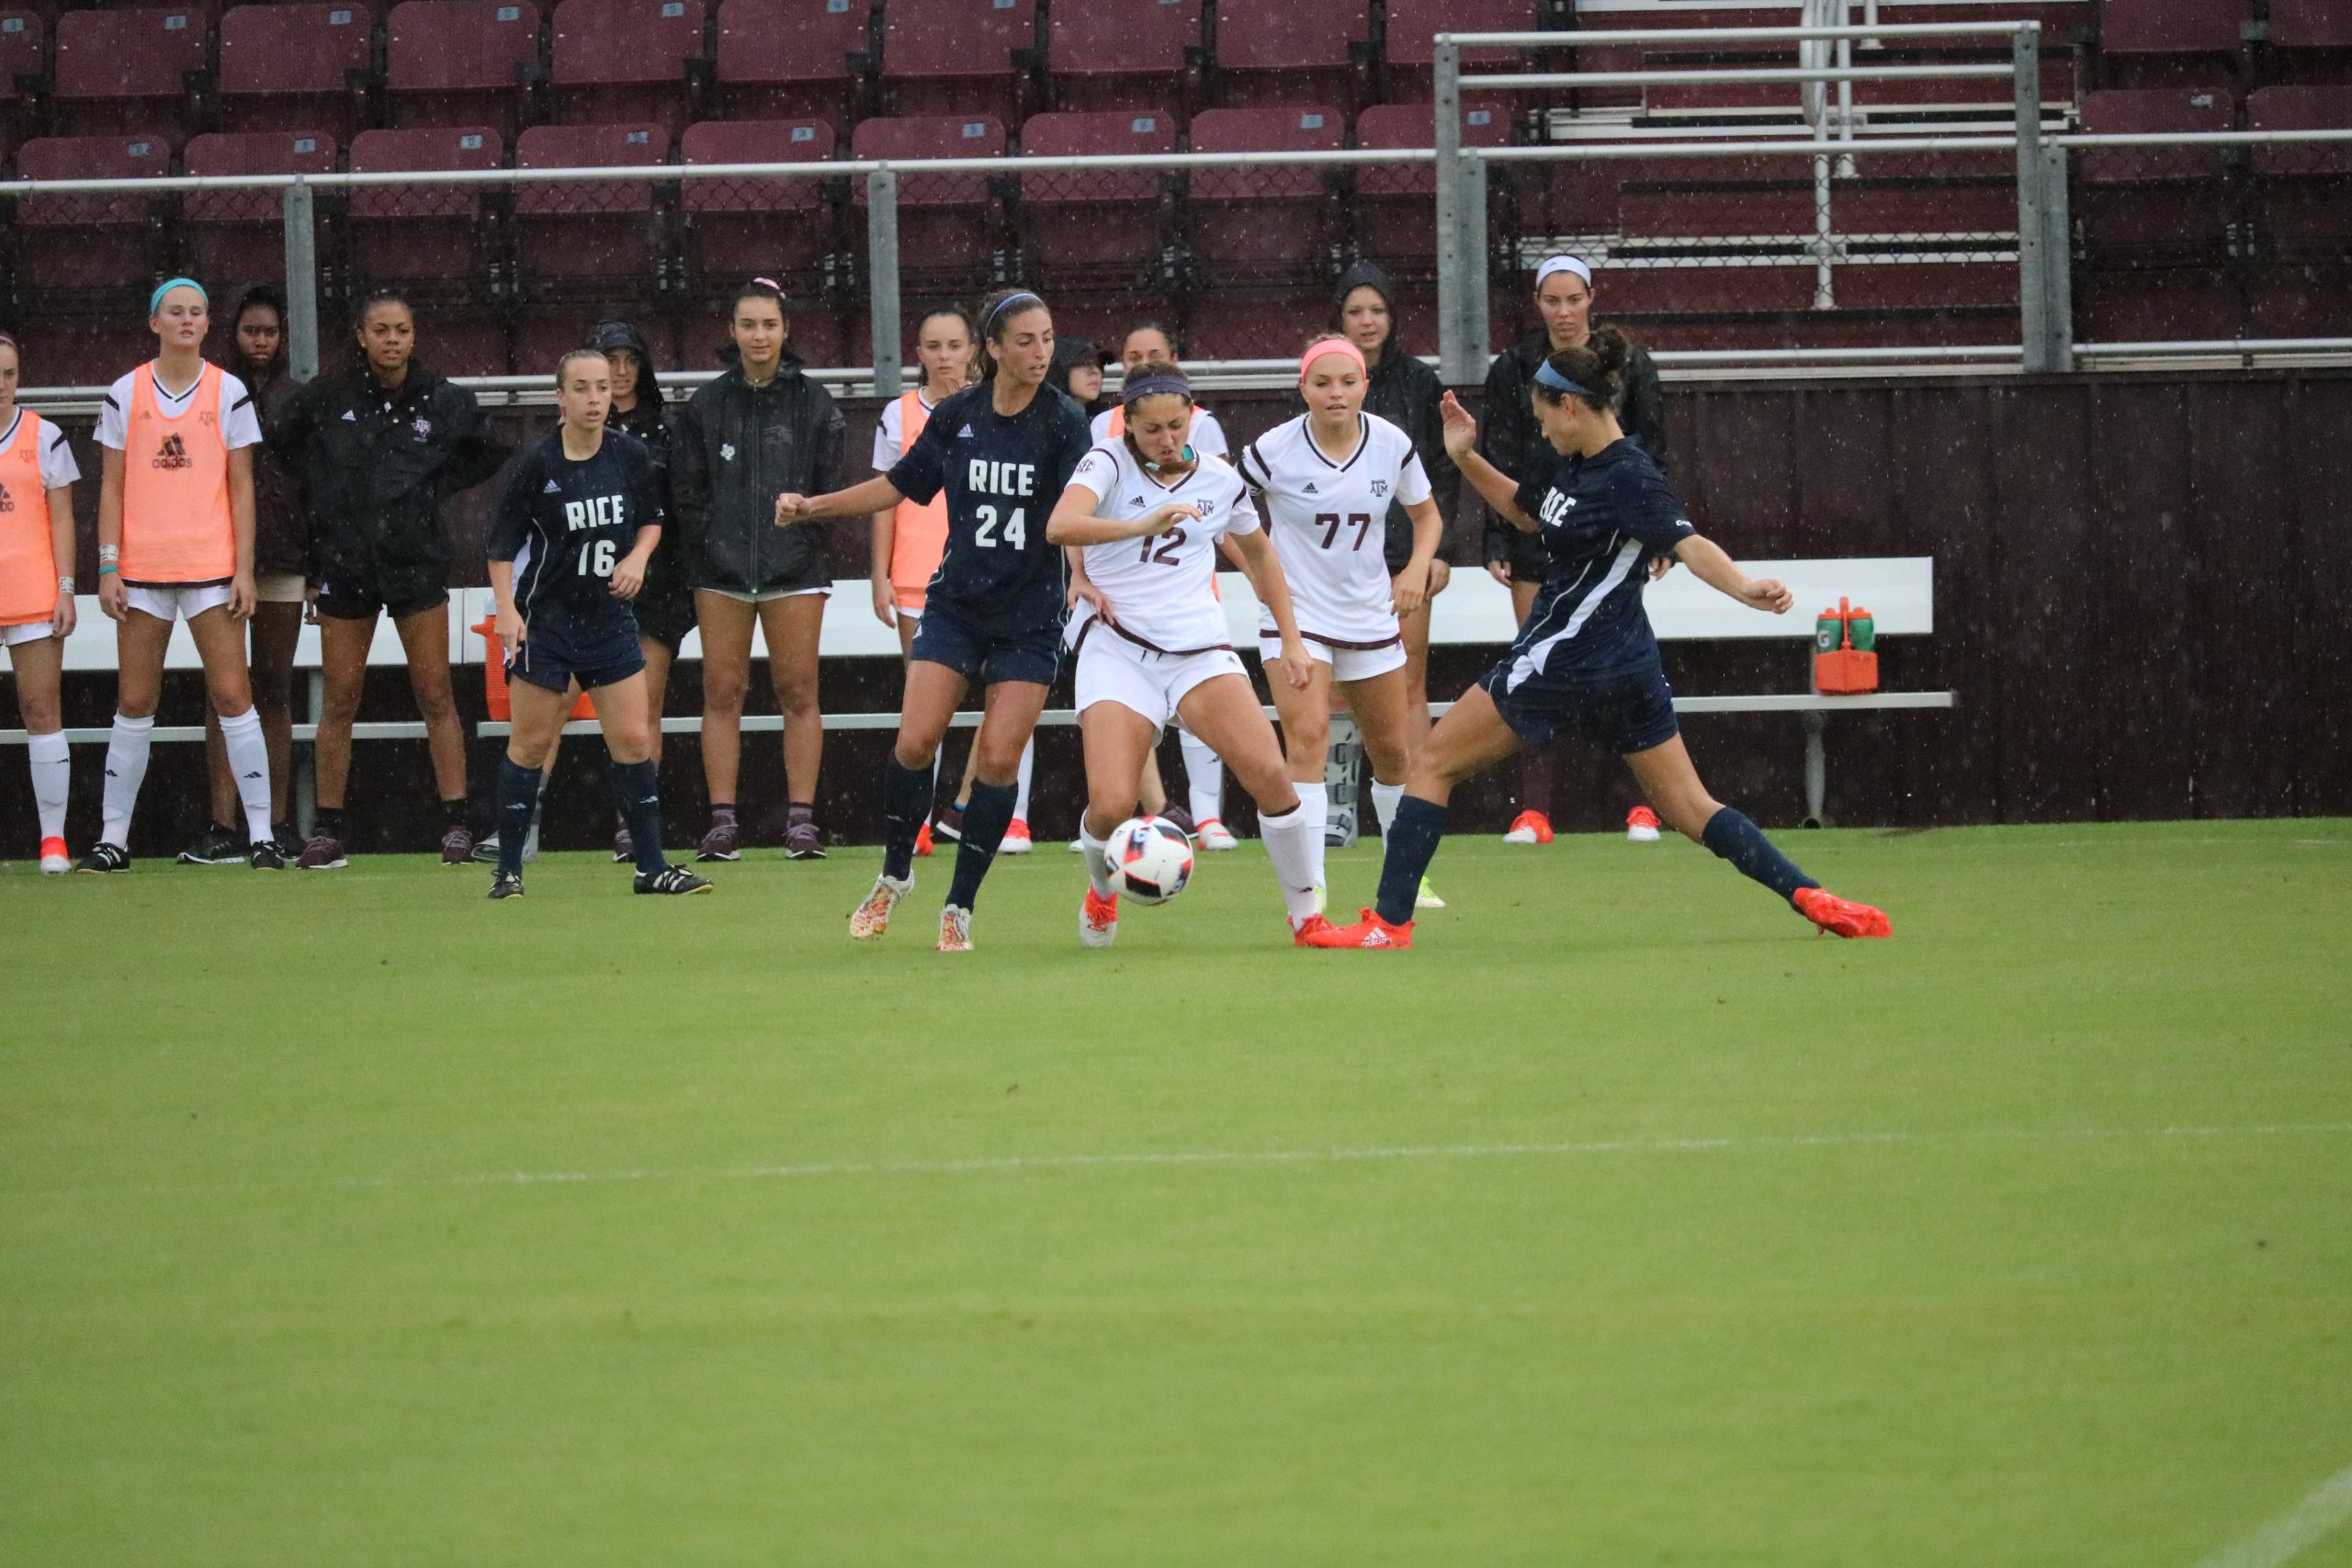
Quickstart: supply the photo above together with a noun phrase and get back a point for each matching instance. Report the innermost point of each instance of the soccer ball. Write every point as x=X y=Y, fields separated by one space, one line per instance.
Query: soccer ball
x=1150 y=859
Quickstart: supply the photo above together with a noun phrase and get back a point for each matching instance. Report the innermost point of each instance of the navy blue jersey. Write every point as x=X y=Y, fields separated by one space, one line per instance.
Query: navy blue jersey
x=1601 y=518
x=1002 y=476
x=566 y=526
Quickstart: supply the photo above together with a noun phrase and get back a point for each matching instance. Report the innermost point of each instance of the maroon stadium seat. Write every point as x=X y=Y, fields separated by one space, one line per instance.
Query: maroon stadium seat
x=74 y=241
x=240 y=234
x=1124 y=54
x=1396 y=205
x=428 y=237
x=1409 y=47
x=942 y=56
x=125 y=70
x=737 y=228
x=785 y=59
x=299 y=67
x=626 y=60
x=2305 y=195
x=1266 y=222
x=2147 y=43
x=1273 y=51
x=24 y=48
x=2123 y=111
x=2311 y=24
x=1096 y=226
x=949 y=225
x=596 y=239
x=455 y=63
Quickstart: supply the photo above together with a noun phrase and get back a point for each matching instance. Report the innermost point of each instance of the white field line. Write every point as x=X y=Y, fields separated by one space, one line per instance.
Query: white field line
x=2320 y=1515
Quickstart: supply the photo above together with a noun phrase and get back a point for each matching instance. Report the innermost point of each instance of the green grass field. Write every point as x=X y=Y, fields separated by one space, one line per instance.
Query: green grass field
x=350 y=1220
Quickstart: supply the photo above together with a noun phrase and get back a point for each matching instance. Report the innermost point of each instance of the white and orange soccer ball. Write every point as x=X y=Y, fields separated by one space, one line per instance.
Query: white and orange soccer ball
x=1150 y=859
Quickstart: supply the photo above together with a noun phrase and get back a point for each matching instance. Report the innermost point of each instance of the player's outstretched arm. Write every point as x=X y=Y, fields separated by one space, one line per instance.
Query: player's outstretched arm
x=1074 y=523
x=1265 y=570
x=859 y=500
x=1711 y=566
x=1497 y=489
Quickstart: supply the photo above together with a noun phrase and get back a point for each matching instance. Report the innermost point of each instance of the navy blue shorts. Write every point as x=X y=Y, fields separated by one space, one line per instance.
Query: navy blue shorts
x=1620 y=711
x=947 y=636
x=554 y=656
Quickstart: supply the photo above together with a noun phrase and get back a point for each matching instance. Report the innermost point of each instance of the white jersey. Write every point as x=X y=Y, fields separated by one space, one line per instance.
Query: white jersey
x=1329 y=521
x=1163 y=589
x=1206 y=436
x=240 y=425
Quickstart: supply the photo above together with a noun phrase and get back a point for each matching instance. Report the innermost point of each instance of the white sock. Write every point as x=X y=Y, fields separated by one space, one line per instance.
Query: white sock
x=1295 y=844
x=52 y=765
x=126 y=770
x=1098 y=862
x=1203 y=779
x=1383 y=803
x=1021 y=780
x=249 y=764
x=1315 y=800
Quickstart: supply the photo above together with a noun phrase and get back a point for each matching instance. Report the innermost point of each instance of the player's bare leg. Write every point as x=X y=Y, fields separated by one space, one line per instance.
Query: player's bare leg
x=1223 y=711
x=930 y=698
x=1118 y=742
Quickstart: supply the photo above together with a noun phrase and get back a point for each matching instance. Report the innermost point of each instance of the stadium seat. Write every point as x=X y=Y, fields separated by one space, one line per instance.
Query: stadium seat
x=950 y=226
x=2152 y=43
x=1266 y=223
x=240 y=234
x=459 y=62
x=2311 y=24
x=1395 y=205
x=947 y=56
x=1409 y=47
x=2305 y=190
x=626 y=61
x=302 y=67
x=1095 y=227
x=735 y=228
x=76 y=243
x=593 y=239
x=24 y=52
x=1275 y=51
x=1124 y=53
x=434 y=239
x=123 y=70
x=791 y=59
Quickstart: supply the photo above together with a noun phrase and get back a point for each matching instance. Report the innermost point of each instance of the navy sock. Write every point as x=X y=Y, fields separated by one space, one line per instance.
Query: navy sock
x=984 y=822
x=1412 y=844
x=1732 y=836
x=518 y=797
x=636 y=794
x=905 y=805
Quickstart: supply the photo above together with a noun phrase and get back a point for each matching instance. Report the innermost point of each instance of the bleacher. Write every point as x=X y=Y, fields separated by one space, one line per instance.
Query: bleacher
x=1710 y=253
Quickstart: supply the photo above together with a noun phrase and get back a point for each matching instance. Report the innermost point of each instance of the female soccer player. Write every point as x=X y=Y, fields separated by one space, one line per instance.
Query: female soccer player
x=1148 y=512
x=1328 y=480
x=1002 y=452
x=581 y=517
x=281 y=588
x=762 y=429
x=1512 y=440
x=1586 y=661
x=37 y=475
x=175 y=541
x=379 y=444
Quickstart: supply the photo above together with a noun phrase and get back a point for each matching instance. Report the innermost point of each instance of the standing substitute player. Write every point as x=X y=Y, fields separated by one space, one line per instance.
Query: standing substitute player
x=37 y=475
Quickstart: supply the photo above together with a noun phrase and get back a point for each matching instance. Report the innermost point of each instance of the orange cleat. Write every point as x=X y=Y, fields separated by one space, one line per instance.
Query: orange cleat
x=1642 y=825
x=1098 y=918
x=1016 y=840
x=1841 y=916
x=1529 y=828
x=922 y=840
x=1308 y=932
x=1371 y=930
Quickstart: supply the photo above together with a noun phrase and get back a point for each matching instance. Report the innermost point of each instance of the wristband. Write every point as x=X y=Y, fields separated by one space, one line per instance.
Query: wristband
x=65 y=585
x=109 y=552
x=107 y=568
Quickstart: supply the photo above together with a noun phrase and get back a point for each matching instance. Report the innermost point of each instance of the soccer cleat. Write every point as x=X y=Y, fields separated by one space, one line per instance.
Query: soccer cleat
x=1098 y=918
x=506 y=885
x=1369 y=932
x=458 y=846
x=486 y=847
x=104 y=858
x=1215 y=835
x=1840 y=917
x=1016 y=839
x=954 y=930
x=872 y=917
x=673 y=880
x=264 y=854
x=288 y=843
x=54 y=860
x=1529 y=828
x=1304 y=933
x=947 y=827
x=218 y=846
x=323 y=853
x=1427 y=897
x=1182 y=818
x=922 y=840
x=1641 y=826
x=624 y=848
x=802 y=841
x=722 y=842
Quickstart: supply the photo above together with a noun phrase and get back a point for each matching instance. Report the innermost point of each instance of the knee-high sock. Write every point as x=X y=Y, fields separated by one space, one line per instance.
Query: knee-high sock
x=1537 y=766
x=1731 y=835
x=985 y=821
x=53 y=766
x=126 y=770
x=1295 y=843
x=1021 y=780
x=1098 y=861
x=518 y=797
x=1412 y=842
x=1315 y=799
x=637 y=796
x=1383 y=803
x=241 y=736
x=906 y=807
x=1203 y=779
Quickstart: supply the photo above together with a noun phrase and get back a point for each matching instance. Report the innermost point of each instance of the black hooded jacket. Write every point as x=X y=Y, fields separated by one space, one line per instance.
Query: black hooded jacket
x=1509 y=438
x=735 y=448
x=1404 y=392
x=665 y=605
x=281 y=527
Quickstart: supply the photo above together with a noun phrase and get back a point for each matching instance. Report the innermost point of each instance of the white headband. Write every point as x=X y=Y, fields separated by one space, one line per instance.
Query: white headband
x=1563 y=263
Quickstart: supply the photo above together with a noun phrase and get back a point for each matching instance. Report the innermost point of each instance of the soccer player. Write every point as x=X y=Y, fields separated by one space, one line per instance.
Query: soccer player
x=762 y=429
x=1148 y=511
x=1327 y=480
x=379 y=445
x=1586 y=660
x=37 y=475
x=1512 y=440
x=581 y=519
x=1002 y=452
x=176 y=542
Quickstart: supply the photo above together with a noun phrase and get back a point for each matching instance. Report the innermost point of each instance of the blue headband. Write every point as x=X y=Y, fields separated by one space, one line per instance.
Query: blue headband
x=1152 y=385
x=1002 y=306
x=1547 y=376
x=156 y=300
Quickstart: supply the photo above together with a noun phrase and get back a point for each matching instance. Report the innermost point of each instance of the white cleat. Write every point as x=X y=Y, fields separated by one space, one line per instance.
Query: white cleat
x=1016 y=840
x=872 y=917
x=56 y=865
x=1427 y=897
x=1642 y=826
x=1215 y=835
x=1098 y=918
x=954 y=930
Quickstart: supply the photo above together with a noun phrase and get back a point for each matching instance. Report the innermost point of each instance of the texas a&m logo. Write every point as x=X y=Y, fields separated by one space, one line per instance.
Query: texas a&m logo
x=173 y=454
x=1380 y=487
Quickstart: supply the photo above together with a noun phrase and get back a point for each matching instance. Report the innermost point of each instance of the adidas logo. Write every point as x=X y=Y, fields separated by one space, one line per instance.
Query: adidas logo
x=254 y=774
x=553 y=488
x=1134 y=501
x=174 y=454
x=7 y=501
x=1310 y=487
x=965 y=433
x=349 y=417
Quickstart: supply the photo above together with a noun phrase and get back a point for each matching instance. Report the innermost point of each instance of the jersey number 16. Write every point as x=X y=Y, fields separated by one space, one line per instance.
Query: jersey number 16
x=596 y=560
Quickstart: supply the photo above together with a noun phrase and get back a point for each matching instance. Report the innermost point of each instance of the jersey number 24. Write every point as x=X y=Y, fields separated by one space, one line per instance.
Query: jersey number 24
x=1016 y=533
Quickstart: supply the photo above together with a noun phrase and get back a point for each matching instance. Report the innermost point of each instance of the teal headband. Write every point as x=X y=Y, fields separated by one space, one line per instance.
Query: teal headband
x=1547 y=376
x=156 y=300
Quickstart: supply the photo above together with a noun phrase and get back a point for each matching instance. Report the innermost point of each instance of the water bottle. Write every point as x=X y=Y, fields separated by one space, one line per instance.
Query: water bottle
x=1340 y=770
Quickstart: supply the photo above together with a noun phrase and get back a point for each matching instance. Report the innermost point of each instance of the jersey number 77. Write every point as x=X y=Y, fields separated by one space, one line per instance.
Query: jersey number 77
x=1331 y=523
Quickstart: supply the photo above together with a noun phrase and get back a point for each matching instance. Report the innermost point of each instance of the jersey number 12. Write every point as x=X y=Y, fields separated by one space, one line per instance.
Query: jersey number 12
x=1016 y=533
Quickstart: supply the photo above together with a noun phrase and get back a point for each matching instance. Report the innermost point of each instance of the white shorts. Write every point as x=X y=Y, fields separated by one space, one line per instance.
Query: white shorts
x=1112 y=669
x=280 y=588
x=765 y=595
x=176 y=603
x=1347 y=663
x=30 y=632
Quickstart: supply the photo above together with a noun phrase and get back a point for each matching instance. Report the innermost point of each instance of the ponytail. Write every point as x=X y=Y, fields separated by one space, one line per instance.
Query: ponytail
x=1593 y=372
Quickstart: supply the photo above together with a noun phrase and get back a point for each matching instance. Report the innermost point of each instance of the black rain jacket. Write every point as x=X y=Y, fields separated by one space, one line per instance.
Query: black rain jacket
x=734 y=449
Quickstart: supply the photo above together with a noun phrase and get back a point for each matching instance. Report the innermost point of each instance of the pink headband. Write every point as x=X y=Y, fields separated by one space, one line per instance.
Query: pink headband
x=1322 y=346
